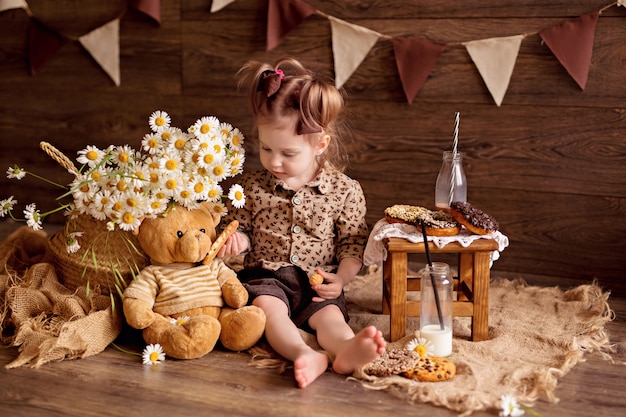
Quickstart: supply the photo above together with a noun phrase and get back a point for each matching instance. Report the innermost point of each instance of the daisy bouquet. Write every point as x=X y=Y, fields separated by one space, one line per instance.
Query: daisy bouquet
x=119 y=186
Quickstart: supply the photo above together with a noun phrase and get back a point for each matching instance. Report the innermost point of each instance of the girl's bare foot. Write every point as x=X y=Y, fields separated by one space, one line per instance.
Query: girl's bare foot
x=366 y=346
x=308 y=366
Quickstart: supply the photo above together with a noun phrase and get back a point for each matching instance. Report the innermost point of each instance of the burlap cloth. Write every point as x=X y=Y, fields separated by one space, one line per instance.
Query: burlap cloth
x=48 y=321
x=536 y=335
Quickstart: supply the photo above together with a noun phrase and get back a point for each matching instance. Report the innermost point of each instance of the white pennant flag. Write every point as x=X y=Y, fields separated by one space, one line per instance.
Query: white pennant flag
x=12 y=4
x=217 y=5
x=351 y=43
x=103 y=44
x=621 y=3
x=495 y=59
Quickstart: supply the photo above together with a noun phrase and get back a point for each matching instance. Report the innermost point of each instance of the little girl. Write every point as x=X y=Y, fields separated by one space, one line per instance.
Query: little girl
x=302 y=215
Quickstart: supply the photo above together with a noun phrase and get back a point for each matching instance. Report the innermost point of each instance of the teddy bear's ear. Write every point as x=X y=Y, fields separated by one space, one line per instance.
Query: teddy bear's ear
x=136 y=229
x=207 y=206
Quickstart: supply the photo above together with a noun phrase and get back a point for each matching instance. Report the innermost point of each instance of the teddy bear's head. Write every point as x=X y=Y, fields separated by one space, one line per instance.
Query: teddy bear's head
x=181 y=235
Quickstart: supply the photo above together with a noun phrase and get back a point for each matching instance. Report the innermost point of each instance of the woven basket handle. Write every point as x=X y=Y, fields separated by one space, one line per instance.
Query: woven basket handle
x=58 y=156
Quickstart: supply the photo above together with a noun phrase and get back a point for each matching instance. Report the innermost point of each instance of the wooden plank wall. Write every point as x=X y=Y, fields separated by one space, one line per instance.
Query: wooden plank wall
x=549 y=163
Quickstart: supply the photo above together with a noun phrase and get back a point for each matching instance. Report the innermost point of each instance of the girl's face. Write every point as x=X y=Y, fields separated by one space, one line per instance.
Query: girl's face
x=290 y=157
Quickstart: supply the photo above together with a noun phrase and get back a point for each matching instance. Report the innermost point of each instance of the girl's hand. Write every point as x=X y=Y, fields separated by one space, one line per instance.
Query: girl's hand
x=236 y=244
x=332 y=287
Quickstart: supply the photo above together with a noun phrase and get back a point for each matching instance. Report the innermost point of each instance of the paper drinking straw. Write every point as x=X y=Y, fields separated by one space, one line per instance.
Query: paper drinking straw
x=432 y=277
x=455 y=145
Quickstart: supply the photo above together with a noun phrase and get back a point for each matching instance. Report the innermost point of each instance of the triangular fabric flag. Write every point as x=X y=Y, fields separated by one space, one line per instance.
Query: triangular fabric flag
x=42 y=44
x=103 y=44
x=572 y=43
x=217 y=5
x=151 y=8
x=495 y=59
x=415 y=59
x=282 y=17
x=12 y=4
x=621 y=3
x=351 y=44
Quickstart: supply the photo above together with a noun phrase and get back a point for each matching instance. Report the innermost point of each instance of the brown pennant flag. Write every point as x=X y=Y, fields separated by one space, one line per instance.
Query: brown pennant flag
x=151 y=8
x=42 y=44
x=415 y=59
x=572 y=43
x=282 y=17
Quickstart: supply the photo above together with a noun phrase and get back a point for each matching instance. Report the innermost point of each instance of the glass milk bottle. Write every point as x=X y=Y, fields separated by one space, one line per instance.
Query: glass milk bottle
x=451 y=178
x=431 y=318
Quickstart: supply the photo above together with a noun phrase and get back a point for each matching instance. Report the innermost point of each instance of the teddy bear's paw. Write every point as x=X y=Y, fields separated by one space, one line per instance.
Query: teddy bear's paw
x=192 y=339
x=242 y=328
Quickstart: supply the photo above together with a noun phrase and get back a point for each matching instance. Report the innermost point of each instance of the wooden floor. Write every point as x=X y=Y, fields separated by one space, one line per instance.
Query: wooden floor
x=114 y=383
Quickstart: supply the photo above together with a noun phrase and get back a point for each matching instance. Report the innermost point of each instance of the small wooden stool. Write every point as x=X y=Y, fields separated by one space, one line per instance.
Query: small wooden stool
x=472 y=290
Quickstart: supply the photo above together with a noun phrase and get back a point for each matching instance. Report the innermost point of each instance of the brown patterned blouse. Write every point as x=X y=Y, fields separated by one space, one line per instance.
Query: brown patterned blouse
x=314 y=227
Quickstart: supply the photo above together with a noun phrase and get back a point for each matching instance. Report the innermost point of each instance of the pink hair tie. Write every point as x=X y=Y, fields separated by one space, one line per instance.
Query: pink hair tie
x=280 y=73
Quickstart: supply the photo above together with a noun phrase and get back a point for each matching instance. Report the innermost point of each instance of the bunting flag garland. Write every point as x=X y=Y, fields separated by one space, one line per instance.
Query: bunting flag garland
x=12 y=4
x=103 y=44
x=217 y=5
x=415 y=60
x=572 y=43
x=42 y=44
x=495 y=59
x=151 y=8
x=282 y=17
x=351 y=44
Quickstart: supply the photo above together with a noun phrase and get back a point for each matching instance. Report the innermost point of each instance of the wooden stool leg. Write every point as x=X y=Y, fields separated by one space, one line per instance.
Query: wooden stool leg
x=398 y=296
x=480 y=320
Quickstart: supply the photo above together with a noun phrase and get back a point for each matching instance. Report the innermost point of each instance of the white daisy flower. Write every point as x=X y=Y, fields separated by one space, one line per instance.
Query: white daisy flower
x=33 y=217
x=236 y=196
x=156 y=204
x=123 y=156
x=219 y=172
x=151 y=143
x=422 y=346
x=206 y=127
x=173 y=184
x=153 y=354
x=83 y=188
x=179 y=320
x=102 y=205
x=219 y=148
x=509 y=406
x=90 y=156
x=129 y=220
x=215 y=192
x=72 y=245
x=111 y=226
x=184 y=197
x=159 y=120
x=236 y=140
x=171 y=164
x=6 y=206
x=235 y=161
x=226 y=131
x=167 y=134
x=180 y=141
x=219 y=208
x=15 y=172
x=200 y=187
x=207 y=157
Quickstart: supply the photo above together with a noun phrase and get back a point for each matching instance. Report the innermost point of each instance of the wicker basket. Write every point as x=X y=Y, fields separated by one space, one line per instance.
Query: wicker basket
x=107 y=260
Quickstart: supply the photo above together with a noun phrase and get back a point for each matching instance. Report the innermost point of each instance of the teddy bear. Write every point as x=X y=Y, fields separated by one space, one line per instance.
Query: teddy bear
x=187 y=299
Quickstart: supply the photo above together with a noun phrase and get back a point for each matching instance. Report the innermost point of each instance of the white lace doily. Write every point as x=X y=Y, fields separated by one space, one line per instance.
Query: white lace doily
x=375 y=252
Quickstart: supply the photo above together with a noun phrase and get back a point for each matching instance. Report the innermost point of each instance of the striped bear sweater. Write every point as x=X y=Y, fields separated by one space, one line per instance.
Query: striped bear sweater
x=177 y=287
